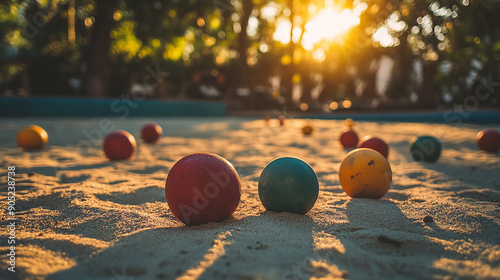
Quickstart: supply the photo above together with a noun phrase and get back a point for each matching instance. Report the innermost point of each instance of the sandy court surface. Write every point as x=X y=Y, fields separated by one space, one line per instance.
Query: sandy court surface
x=84 y=217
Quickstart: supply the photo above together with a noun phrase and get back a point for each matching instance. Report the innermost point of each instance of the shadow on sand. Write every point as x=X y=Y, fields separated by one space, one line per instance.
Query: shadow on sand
x=265 y=246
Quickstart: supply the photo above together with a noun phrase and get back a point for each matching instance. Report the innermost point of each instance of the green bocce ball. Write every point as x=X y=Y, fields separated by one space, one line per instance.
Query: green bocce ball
x=425 y=148
x=288 y=184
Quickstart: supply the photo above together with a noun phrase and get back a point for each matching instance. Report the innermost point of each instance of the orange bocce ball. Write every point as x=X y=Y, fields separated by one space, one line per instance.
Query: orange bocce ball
x=32 y=137
x=365 y=173
x=349 y=123
x=307 y=129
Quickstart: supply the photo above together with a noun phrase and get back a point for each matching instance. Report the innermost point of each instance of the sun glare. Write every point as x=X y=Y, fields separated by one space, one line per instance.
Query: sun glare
x=328 y=25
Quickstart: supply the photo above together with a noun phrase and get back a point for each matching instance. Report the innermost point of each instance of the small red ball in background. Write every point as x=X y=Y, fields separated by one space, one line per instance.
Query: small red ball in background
x=374 y=143
x=119 y=145
x=488 y=140
x=202 y=188
x=151 y=132
x=349 y=138
x=281 y=120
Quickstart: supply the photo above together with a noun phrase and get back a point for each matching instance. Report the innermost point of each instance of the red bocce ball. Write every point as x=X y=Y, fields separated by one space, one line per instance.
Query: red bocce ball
x=119 y=145
x=349 y=138
x=489 y=140
x=151 y=132
x=374 y=143
x=202 y=188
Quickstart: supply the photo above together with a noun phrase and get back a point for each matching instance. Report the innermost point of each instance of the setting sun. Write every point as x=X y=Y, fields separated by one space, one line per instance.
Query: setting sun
x=328 y=24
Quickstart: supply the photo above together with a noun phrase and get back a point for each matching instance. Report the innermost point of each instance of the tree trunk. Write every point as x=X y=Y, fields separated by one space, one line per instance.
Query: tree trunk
x=243 y=40
x=307 y=82
x=370 y=90
x=428 y=89
x=289 y=69
x=94 y=84
x=242 y=49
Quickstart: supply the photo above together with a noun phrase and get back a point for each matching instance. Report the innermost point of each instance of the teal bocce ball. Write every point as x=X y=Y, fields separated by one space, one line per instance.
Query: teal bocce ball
x=288 y=184
x=425 y=148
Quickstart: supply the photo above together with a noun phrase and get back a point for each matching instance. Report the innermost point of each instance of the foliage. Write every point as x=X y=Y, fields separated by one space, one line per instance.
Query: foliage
x=456 y=42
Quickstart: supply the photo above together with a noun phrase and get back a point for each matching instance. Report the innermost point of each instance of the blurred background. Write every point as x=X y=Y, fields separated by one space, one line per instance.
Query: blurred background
x=311 y=56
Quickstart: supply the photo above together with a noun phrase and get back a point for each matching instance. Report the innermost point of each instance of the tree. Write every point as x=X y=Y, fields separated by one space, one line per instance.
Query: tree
x=94 y=83
x=243 y=42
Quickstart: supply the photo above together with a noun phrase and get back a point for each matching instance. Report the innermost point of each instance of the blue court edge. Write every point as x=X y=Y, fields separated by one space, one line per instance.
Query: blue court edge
x=86 y=107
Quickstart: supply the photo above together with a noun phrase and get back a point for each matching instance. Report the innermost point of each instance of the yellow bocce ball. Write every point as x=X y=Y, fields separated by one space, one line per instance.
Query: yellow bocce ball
x=365 y=173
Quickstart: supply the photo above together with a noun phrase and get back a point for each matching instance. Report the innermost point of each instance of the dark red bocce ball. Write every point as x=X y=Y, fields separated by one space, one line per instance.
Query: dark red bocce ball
x=202 y=188
x=151 y=132
x=488 y=140
x=119 y=145
x=349 y=138
x=374 y=143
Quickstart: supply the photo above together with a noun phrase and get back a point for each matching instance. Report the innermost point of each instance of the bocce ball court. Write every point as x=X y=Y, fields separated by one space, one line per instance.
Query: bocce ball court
x=226 y=197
